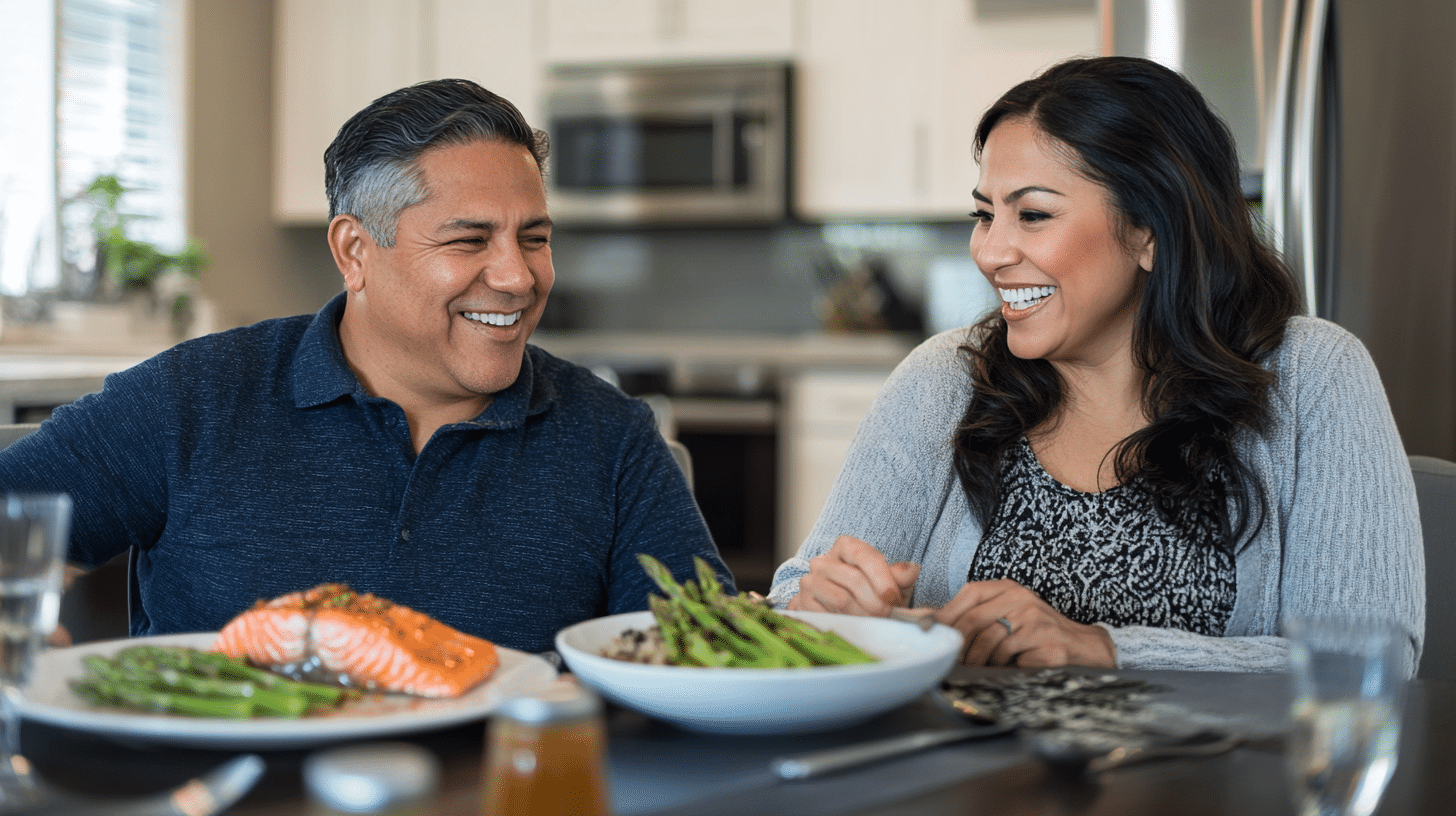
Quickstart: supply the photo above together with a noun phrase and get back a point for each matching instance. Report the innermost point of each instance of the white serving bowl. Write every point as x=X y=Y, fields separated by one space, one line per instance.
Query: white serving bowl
x=768 y=701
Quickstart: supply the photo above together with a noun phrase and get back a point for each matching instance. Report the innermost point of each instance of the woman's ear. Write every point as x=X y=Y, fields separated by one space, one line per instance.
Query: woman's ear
x=1149 y=251
x=350 y=245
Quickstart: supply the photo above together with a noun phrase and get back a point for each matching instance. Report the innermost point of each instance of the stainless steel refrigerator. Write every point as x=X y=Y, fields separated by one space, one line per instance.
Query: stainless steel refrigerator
x=1345 y=112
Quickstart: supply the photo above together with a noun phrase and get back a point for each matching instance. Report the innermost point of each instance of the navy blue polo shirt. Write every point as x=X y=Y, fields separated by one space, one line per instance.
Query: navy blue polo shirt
x=250 y=463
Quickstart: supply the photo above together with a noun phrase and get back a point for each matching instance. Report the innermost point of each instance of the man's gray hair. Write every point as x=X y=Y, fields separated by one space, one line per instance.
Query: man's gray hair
x=371 y=169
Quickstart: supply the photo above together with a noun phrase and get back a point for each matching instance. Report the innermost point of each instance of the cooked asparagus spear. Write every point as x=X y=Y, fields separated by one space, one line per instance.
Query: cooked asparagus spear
x=706 y=626
x=204 y=684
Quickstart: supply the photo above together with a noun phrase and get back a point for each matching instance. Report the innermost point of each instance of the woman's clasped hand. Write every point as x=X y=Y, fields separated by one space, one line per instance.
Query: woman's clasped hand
x=1003 y=622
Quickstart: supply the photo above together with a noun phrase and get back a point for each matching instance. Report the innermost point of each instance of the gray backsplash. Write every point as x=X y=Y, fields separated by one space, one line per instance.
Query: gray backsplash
x=728 y=279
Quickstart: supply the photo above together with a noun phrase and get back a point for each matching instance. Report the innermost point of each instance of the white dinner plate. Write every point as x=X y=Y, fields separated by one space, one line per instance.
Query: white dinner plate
x=49 y=699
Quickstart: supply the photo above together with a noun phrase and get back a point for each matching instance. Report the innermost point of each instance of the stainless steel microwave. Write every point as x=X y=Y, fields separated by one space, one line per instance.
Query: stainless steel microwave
x=665 y=144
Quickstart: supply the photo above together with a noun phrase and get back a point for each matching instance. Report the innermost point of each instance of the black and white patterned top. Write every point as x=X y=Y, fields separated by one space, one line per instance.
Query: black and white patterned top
x=1106 y=557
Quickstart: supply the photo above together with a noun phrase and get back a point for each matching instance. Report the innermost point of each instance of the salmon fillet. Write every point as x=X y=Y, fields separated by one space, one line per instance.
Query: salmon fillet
x=334 y=634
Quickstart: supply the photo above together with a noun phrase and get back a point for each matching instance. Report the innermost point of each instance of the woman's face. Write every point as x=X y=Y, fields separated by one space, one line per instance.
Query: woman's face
x=1047 y=239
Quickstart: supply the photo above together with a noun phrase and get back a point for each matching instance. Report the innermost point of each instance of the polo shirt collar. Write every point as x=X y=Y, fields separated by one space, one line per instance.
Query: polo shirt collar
x=320 y=375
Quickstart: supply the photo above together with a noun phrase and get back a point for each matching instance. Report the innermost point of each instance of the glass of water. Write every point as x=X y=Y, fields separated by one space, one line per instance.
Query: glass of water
x=34 y=531
x=1349 y=679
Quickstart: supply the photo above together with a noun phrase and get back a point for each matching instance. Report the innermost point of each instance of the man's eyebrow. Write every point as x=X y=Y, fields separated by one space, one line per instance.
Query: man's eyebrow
x=468 y=225
x=1015 y=194
x=472 y=225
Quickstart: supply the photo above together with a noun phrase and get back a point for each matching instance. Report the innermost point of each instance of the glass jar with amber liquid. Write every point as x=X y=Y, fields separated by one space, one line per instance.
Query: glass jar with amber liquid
x=546 y=755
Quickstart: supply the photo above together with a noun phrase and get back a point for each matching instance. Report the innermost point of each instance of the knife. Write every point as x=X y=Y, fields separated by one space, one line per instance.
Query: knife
x=818 y=763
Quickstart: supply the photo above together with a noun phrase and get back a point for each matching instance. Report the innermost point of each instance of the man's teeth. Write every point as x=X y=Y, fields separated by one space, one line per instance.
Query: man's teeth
x=1026 y=297
x=494 y=318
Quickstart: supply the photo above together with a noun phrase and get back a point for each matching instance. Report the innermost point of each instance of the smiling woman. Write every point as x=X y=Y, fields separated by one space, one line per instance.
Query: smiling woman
x=1102 y=472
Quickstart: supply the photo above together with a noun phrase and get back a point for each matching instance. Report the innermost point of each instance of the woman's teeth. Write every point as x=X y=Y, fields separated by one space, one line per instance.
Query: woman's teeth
x=494 y=318
x=1026 y=297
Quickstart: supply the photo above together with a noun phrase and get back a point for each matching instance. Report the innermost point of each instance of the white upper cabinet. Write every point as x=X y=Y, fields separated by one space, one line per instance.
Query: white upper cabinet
x=333 y=57
x=862 y=111
x=497 y=43
x=649 y=30
x=889 y=95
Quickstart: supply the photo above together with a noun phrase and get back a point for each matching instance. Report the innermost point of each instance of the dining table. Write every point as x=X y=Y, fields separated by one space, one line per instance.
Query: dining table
x=657 y=768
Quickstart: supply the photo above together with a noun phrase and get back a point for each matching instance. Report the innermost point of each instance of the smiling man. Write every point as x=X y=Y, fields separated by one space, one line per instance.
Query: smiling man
x=406 y=440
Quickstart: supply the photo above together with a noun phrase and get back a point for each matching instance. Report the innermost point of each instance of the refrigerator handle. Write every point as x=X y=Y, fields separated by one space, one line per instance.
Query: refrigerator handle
x=1276 y=139
x=1305 y=176
x=1291 y=170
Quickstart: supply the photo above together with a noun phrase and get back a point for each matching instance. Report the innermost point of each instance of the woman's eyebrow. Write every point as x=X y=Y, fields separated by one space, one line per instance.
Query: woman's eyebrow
x=1015 y=194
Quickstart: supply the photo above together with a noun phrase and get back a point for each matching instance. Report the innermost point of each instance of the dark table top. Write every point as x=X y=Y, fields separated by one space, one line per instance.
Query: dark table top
x=659 y=769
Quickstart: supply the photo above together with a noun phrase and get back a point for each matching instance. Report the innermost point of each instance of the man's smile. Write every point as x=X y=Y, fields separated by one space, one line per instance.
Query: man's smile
x=493 y=318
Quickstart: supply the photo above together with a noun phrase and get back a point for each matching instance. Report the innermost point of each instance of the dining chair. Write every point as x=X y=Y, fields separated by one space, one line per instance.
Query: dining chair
x=1436 y=493
x=667 y=423
x=95 y=607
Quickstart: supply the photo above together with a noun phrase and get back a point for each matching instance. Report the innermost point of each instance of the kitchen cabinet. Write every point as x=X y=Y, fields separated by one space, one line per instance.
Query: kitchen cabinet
x=333 y=57
x=889 y=96
x=649 y=30
x=822 y=410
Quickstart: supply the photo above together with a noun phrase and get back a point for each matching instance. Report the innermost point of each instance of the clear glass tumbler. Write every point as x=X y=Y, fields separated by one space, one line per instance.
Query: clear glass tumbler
x=1349 y=679
x=34 y=531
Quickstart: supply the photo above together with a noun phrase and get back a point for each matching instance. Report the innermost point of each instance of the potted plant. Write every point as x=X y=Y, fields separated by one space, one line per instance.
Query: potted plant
x=138 y=269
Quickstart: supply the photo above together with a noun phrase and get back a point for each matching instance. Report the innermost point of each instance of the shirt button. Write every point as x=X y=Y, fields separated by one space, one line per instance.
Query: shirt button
x=404 y=534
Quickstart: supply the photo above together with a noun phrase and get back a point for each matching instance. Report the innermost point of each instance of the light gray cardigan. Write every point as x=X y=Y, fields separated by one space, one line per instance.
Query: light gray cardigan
x=1342 y=534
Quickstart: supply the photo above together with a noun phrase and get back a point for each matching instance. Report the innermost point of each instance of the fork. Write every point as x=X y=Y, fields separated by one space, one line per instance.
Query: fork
x=208 y=794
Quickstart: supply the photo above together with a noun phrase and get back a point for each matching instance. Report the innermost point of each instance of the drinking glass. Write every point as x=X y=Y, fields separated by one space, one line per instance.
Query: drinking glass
x=1349 y=681
x=34 y=531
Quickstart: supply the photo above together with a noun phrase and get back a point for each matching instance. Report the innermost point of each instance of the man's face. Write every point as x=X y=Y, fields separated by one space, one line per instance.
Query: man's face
x=443 y=316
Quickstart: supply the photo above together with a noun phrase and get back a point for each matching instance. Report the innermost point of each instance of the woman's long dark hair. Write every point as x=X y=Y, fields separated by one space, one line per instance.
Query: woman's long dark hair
x=1215 y=303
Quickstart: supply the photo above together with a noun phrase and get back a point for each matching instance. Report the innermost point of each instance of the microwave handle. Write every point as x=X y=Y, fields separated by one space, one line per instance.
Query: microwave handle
x=724 y=149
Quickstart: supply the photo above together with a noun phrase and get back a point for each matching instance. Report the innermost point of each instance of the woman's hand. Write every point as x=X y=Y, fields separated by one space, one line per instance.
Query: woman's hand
x=1006 y=624
x=854 y=578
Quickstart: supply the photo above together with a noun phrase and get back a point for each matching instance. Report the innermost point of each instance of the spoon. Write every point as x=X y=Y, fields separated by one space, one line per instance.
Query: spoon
x=1067 y=753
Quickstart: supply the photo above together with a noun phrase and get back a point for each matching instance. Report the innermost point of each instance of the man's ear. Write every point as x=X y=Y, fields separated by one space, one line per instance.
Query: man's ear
x=350 y=245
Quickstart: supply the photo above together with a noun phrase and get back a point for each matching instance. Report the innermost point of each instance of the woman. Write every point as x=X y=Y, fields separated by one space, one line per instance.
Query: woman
x=1146 y=457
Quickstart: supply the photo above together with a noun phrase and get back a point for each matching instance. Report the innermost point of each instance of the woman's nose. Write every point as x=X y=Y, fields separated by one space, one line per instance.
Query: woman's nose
x=991 y=249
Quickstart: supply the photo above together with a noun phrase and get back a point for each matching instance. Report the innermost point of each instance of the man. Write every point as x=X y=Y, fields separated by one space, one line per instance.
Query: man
x=405 y=440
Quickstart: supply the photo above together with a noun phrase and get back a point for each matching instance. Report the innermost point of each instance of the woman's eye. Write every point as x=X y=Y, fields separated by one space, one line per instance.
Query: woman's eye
x=1032 y=216
x=982 y=216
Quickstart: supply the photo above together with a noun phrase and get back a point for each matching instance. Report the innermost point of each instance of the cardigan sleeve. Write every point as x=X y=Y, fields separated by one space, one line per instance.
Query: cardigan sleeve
x=897 y=476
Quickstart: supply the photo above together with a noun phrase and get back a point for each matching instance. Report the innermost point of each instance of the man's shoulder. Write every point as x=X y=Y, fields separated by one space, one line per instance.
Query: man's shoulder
x=262 y=347
x=578 y=391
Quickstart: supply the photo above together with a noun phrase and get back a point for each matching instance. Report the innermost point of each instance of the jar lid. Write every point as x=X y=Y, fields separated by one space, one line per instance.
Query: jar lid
x=368 y=777
x=562 y=701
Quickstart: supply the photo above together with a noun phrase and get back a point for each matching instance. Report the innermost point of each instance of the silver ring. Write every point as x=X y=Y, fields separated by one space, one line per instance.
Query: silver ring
x=1005 y=623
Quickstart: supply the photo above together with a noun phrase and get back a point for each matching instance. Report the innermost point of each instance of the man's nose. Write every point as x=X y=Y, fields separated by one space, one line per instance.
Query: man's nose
x=507 y=270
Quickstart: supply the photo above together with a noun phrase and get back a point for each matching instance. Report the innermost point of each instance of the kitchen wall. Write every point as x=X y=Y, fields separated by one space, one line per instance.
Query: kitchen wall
x=258 y=269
